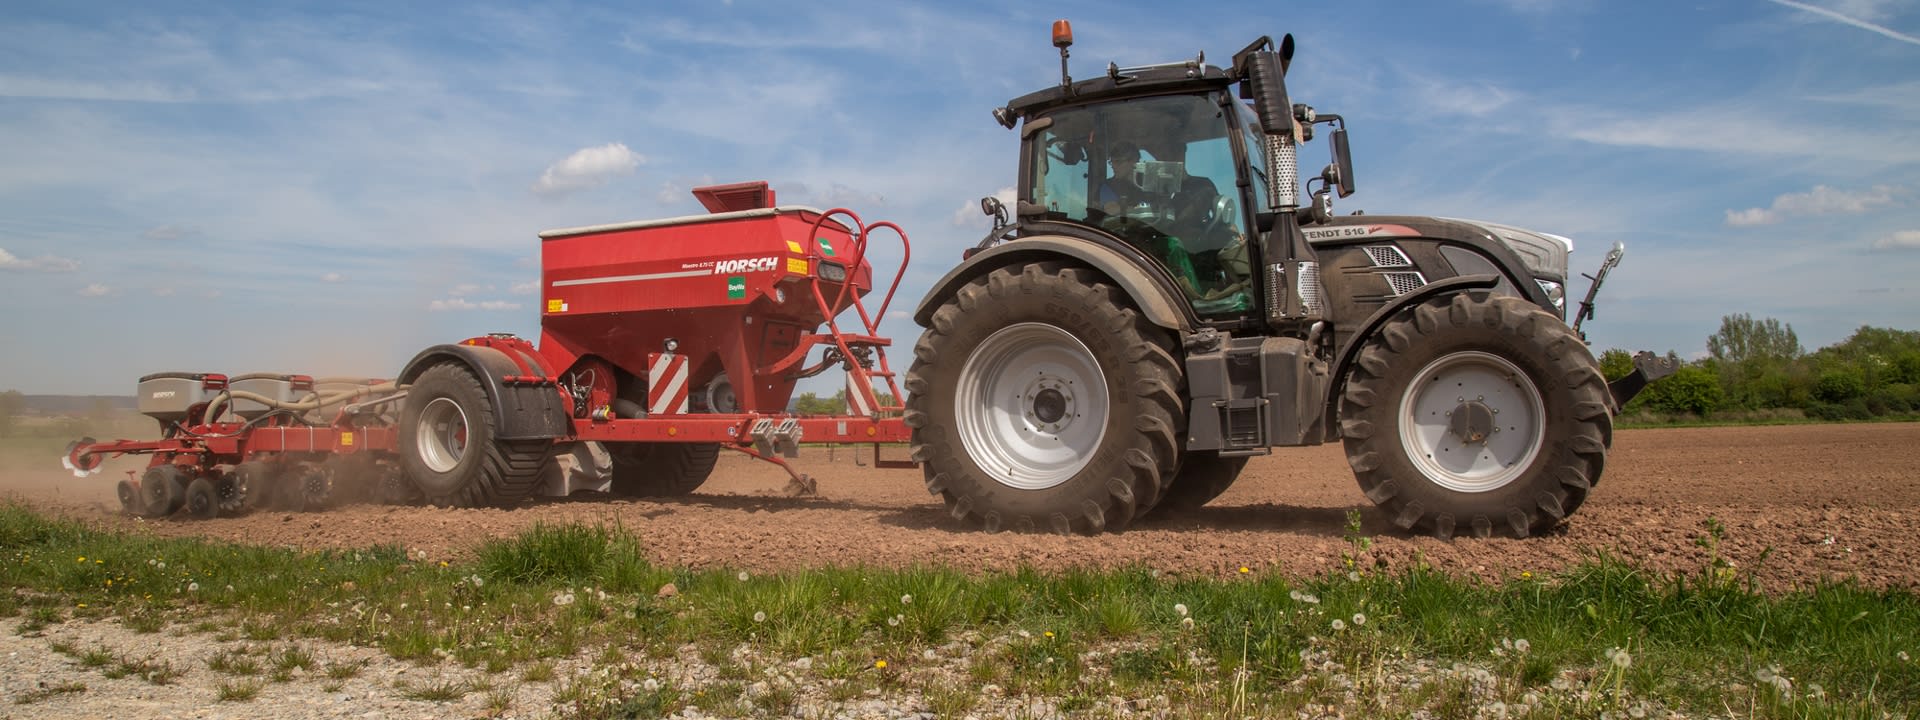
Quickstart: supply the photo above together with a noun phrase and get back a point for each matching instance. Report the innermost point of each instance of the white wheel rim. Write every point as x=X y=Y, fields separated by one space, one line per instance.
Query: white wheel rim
x=441 y=434
x=1031 y=406
x=1488 y=456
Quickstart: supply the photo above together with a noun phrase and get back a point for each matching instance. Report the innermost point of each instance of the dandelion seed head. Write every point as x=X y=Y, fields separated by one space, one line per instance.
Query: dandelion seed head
x=744 y=576
x=760 y=617
x=906 y=599
x=559 y=600
x=1522 y=645
x=1180 y=609
x=1359 y=619
x=1186 y=623
x=1296 y=595
x=1903 y=656
x=893 y=621
x=1353 y=576
x=193 y=587
x=1339 y=625
x=1621 y=659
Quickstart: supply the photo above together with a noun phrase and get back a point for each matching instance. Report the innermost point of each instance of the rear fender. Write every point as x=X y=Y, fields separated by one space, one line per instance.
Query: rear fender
x=1162 y=304
x=522 y=411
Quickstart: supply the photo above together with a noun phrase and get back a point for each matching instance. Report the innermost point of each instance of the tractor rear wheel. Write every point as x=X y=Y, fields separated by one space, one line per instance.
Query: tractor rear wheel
x=1040 y=399
x=203 y=499
x=1477 y=413
x=447 y=443
x=1203 y=476
x=661 y=469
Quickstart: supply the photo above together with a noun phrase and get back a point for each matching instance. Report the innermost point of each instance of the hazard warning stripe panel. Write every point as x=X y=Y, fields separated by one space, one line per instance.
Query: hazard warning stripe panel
x=666 y=384
x=856 y=399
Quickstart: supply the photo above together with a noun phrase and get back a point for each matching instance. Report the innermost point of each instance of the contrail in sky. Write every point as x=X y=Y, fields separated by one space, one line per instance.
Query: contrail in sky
x=1837 y=17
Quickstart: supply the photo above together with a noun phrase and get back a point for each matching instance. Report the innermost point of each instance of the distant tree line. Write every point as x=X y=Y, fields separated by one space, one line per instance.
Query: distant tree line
x=1759 y=365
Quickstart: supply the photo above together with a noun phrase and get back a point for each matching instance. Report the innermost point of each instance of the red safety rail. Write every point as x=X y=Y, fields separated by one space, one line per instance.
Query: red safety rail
x=862 y=375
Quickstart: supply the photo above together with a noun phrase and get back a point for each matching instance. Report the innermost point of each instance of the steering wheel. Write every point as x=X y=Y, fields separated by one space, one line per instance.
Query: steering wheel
x=1224 y=209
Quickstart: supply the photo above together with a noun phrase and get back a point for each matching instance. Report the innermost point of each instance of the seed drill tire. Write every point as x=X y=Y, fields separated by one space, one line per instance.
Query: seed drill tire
x=164 y=489
x=489 y=472
x=203 y=499
x=1145 y=424
x=661 y=469
x=1577 y=425
x=1203 y=476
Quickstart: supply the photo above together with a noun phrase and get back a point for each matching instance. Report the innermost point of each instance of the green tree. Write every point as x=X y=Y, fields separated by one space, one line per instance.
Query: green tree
x=1691 y=389
x=1746 y=350
x=812 y=404
x=1838 y=386
x=1615 y=364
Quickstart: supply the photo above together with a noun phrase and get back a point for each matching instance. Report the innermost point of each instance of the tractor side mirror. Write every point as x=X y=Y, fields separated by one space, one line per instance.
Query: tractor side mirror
x=1343 y=160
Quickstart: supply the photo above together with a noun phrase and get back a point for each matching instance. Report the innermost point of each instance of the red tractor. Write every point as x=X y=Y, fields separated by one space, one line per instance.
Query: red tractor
x=1160 y=306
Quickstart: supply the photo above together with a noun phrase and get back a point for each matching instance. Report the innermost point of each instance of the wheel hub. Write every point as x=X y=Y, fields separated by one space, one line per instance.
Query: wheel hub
x=1031 y=405
x=1472 y=422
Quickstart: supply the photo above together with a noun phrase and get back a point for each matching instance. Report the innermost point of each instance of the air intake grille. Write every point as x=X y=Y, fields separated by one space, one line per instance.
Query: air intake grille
x=1404 y=282
x=1387 y=256
x=1309 y=279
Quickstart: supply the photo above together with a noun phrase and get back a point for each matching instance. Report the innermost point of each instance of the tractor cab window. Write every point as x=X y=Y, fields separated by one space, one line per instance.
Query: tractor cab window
x=1159 y=173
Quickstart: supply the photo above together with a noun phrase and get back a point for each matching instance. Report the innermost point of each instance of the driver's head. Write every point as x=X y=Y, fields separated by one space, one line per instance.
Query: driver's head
x=1124 y=154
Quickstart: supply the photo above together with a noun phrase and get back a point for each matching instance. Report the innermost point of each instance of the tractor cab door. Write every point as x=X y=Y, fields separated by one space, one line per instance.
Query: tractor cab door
x=1163 y=174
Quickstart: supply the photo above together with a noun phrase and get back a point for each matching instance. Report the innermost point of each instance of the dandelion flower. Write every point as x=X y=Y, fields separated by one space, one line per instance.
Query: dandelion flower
x=82 y=558
x=760 y=617
x=1186 y=623
x=1295 y=594
x=1180 y=609
x=1621 y=659
x=1049 y=633
x=193 y=587
x=1522 y=645
x=906 y=599
x=80 y=605
x=1244 y=570
x=1359 y=619
x=1338 y=625
x=879 y=664
x=1526 y=575
x=744 y=576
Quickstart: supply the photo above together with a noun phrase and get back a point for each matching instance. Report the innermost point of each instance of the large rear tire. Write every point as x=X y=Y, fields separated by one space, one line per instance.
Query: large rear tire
x=1477 y=413
x=447 y=443
x=1203 y=476
x=1039 y=399
x=661 y=469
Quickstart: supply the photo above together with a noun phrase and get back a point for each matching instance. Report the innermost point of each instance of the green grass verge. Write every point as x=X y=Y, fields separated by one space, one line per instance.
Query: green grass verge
x=1600 y=637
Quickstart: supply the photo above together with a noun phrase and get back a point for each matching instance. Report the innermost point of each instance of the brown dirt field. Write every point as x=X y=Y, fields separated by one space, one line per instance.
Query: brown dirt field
x=1828 y=501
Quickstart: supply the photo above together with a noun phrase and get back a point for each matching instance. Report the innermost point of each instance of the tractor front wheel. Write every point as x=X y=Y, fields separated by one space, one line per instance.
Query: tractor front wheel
x=1040 y=399
x=447 y=443
x=1476 y=413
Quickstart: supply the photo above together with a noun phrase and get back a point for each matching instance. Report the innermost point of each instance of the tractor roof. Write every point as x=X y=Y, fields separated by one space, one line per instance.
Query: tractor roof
x=1187 y=76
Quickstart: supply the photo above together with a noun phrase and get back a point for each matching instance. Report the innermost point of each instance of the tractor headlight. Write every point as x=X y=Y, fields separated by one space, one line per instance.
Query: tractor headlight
x=1554 y=293
x=832 y=271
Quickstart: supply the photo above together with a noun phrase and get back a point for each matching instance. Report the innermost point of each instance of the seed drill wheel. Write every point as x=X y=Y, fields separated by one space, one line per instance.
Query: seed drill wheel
x=1478 y=412
x=203 y=499
x=1040 y=399
x=131 y=502
x=661 y=469
x=163 y=489
x=1202 y=477
x=447 y=443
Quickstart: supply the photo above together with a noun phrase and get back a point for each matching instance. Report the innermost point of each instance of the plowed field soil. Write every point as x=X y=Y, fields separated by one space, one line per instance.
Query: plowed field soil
x=1799 y=504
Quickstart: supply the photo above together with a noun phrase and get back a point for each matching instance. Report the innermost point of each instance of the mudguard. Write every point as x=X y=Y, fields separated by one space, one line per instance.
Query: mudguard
x=1157 y=299
x=523 y=411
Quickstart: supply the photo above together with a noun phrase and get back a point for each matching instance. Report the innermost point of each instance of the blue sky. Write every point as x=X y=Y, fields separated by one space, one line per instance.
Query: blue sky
x=328 y=188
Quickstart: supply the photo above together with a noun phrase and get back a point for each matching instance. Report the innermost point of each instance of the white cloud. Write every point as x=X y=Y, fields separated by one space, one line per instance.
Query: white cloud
x=44 y=263
x=333 y=277
x=465 y=304
x=1902 y=240
x=833 y=196
x=1821 y=200
x=465 y=289
x=969 y=213
x=95 y=290
x=588 y=167
x=525 y=288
